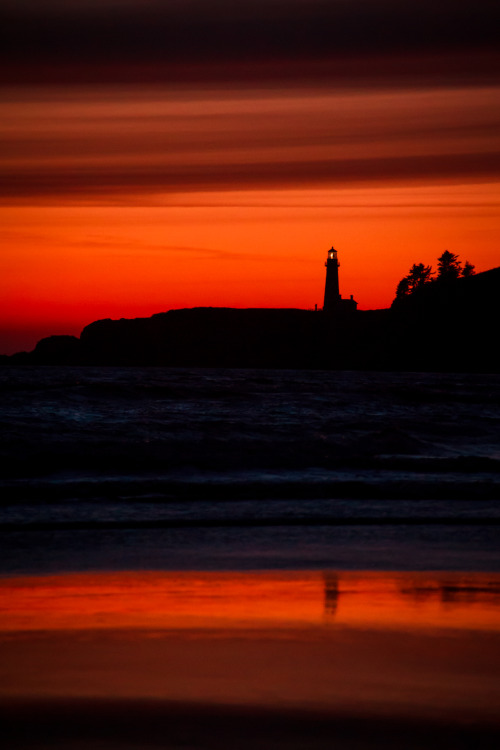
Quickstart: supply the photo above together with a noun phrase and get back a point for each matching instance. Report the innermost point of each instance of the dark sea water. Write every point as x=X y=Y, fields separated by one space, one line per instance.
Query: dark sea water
x=184 y=469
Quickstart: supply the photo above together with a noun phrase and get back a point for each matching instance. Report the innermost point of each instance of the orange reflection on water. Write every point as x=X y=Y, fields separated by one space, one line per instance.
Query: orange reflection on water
x=169 y=600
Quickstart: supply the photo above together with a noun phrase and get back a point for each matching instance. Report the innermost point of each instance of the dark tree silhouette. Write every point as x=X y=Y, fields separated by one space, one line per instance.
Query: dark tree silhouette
x=418 y=276
x=449 y=267
x=403 y=288
x=468 y=269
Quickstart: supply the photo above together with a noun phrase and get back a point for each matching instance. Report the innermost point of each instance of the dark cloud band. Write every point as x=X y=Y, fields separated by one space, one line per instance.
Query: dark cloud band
x=84 y=42
x=77 y=183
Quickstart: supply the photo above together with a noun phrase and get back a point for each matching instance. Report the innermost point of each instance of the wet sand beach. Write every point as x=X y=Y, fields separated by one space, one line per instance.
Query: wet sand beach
x=296 y=660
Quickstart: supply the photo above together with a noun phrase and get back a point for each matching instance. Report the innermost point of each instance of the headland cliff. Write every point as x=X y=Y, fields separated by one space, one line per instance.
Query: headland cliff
x=452 y=327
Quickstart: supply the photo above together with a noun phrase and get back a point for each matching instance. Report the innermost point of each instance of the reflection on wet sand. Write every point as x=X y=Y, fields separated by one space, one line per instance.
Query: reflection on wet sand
x=331 y=595
x=161 y=600
x=222 y=660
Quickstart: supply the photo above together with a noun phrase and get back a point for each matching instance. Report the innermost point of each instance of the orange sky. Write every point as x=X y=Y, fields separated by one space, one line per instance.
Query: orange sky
x=140 y=192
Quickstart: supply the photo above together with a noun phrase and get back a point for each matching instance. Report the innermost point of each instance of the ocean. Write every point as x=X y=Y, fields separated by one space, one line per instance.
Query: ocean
x=245 y=470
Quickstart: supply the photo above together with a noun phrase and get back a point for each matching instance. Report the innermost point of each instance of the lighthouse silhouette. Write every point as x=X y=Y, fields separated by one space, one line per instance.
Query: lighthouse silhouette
x=333 y=302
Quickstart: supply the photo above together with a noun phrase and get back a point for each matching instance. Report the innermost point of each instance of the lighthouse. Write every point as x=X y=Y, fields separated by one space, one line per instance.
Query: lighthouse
x=333 y=301
x=332 y=294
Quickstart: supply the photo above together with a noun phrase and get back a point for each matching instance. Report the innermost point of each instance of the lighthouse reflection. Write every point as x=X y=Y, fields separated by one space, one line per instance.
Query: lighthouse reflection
x=169 y=600
x=331 y=595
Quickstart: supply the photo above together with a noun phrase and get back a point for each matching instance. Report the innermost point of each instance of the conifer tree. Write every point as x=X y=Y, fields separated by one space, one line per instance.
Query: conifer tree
x=418 y=276
x=468 y=269
x=449 y=267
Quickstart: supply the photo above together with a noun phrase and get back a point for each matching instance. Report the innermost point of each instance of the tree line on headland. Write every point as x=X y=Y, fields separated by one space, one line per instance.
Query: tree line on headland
x=420 y=276
x=446 y=323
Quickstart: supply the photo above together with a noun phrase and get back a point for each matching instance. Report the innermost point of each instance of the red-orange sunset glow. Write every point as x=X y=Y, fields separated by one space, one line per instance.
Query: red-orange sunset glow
x=163 y=157
x=167 y=600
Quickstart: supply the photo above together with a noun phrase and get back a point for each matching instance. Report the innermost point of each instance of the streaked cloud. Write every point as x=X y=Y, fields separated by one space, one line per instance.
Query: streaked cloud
x=482 y=167
x=129 y=143
x=262 y=41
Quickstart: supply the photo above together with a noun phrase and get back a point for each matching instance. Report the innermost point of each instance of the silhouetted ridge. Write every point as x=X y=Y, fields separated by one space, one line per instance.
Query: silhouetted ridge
x=450 y=324
x=209 y=337
x=61 y=350
x=473 y=295
x=444 y=326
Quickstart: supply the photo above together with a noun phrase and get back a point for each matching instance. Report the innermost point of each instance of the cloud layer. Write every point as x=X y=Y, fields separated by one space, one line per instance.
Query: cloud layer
x=139 y=142
x=271 y=41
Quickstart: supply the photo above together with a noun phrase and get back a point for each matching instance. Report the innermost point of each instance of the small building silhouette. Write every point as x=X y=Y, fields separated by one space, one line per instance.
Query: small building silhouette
x=333 y=302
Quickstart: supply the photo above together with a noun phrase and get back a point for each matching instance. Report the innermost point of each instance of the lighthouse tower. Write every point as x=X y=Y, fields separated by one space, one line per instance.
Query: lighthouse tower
x=333 y=300
x=332 y=293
